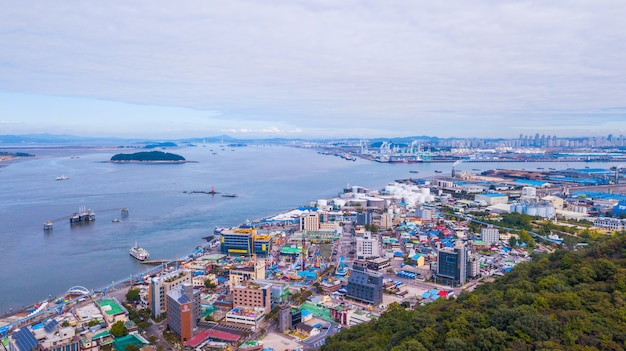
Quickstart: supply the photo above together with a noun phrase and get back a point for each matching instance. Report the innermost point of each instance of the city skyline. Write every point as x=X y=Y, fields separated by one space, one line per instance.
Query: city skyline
x=313 y=69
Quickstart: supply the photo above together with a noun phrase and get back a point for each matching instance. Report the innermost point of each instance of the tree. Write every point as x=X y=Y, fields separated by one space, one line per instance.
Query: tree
x=208 y=283
x=133 y=295
x=118 y=329
x=131 y=347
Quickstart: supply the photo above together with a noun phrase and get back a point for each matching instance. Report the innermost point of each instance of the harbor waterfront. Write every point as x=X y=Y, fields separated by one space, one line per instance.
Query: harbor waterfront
x=169 y=206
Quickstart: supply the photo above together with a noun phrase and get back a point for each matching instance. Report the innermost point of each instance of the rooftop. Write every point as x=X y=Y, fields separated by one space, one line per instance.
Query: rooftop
x=110 y=307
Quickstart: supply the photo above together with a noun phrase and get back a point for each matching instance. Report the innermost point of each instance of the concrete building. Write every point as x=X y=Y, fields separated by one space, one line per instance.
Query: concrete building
x=251 y=317
x=284 y=318
x=310 y=222
x=610 y=223
x=452 y=265
x=386 y=221
x=490 y=235
x=53 y=337
x=253 y=295
x=529 y=192
x=367 y=247
x=378 y=264
x=159 y=287
x=364 y=285
x=473 y=266
x=556 y=201
x=183 y=310
x=492 y=198
x=240 y=274
x=112 y=311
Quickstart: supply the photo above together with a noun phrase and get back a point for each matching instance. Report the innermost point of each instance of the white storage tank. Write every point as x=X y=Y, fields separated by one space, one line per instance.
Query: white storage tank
x=550 y=211
x=322 y=203
x=339 y=202
x=532 y=210
x=541 y=211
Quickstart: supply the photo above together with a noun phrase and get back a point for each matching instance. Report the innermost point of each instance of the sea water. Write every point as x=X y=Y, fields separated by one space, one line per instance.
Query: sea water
x=164 y=216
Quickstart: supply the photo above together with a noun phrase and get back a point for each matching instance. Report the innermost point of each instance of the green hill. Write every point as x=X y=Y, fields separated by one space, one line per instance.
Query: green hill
x=564 y=301
x=148 y=156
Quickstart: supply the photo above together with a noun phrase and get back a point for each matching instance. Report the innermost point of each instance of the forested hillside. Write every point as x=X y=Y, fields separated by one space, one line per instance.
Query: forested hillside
x=148 y=156
x=564 y=301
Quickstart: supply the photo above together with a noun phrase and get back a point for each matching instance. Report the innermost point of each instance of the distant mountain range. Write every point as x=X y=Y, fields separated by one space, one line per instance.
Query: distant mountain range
x=73 y=140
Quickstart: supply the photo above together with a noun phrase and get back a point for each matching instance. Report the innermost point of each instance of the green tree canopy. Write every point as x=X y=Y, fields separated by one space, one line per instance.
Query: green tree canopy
x=118 y=329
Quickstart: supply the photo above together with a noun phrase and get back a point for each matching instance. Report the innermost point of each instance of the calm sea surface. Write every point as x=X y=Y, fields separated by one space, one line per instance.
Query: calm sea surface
x=166 y=221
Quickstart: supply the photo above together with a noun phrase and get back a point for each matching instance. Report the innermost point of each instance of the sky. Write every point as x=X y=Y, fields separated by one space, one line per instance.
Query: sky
x=310 y=69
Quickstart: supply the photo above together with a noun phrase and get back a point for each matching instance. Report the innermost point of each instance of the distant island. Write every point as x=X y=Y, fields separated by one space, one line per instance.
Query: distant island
x=149 y=156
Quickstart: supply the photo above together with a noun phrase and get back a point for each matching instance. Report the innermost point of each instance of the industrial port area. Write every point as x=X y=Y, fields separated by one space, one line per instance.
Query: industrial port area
x=289 y=281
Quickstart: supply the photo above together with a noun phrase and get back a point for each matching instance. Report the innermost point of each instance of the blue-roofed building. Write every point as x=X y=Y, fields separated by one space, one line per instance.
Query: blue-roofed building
x=23 y=340
x=53 y=337
x=532 y=182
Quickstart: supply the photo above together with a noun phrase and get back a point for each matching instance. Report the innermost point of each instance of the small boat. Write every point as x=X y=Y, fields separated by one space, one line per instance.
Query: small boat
x=229 y=195
x=438 y=171
x=413 y=171
x=115 y=220
x=62 y=177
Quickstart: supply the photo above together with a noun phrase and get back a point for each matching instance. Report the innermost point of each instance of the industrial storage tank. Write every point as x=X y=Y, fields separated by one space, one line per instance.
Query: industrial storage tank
x=550 y=211
x=541 y=210
x=425 y=191
x=322 y=203
x=339 y=202
x=531 y=210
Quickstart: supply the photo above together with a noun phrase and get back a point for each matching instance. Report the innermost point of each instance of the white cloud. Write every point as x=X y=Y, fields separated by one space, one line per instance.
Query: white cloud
x=349 y=67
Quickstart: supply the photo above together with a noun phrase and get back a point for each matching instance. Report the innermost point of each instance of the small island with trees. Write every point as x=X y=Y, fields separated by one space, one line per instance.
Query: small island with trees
x=148 y=157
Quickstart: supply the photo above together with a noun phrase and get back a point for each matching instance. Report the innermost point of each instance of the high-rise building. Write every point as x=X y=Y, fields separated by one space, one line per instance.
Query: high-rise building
x=183 y=310
x=364 y=285
x=452 y=265
x=310 y=222
x=159 y=287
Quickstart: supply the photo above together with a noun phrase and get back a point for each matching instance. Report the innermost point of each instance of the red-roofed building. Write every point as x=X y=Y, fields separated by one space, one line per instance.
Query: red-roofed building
x=211 y=334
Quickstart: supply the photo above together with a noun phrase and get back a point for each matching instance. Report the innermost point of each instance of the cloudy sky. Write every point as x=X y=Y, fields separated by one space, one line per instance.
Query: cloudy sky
x=350 y=68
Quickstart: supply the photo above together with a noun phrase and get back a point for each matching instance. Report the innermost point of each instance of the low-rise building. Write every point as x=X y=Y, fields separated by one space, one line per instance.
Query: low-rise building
x=112 y=311
x=246 y=316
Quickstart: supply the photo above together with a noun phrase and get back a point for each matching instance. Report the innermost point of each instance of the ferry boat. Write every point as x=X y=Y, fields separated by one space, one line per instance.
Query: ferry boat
x=63 y=177
x=139 y=253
